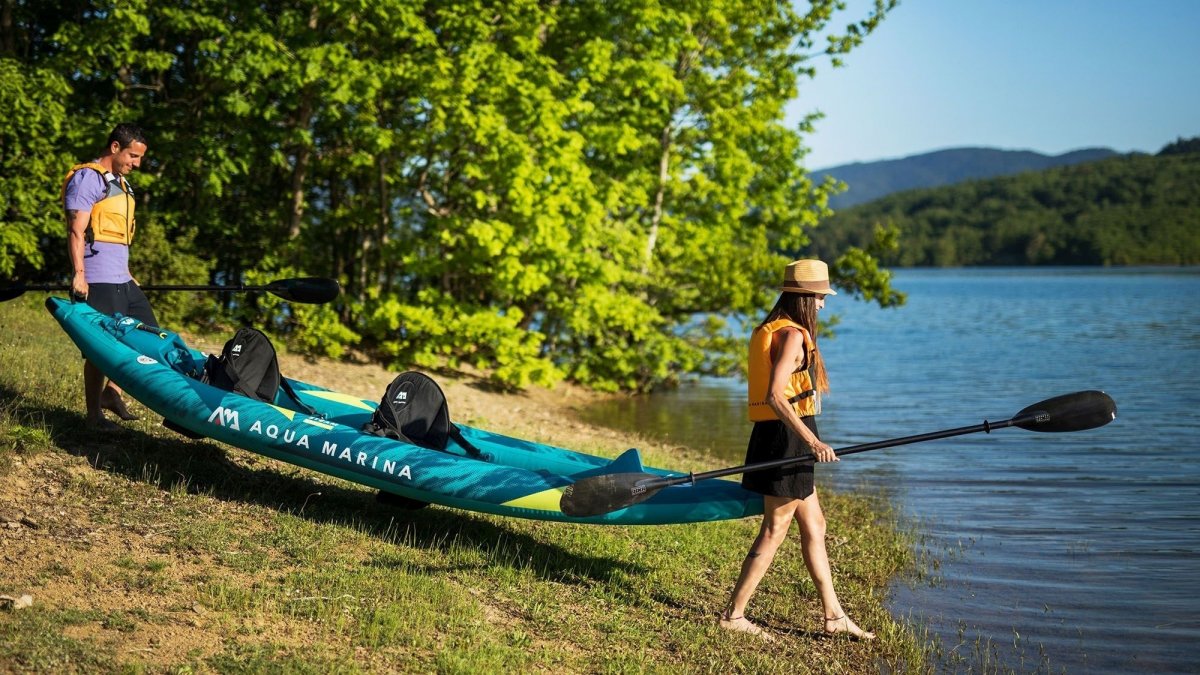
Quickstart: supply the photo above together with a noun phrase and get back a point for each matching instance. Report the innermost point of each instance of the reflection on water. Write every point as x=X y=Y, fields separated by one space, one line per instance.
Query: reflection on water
x=706 y=415
x=1083 y=545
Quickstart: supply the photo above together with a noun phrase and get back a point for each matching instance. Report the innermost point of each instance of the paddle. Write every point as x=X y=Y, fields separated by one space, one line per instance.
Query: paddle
x=609 y=492
x=312 y=290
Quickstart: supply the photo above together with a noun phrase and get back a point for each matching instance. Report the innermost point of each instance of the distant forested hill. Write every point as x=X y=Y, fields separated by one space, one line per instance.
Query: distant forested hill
x=1126 y=210
x=872 y=180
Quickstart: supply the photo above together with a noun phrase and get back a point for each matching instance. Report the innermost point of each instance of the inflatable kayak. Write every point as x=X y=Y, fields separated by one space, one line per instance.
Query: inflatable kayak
x=509 y=476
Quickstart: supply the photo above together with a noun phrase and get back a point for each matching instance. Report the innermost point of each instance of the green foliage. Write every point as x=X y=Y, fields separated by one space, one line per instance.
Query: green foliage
x=307 y=329
x=439 y=331
x=32 y=166
x=1181 y=146
x=858 y=271
x=1129 y=210
x=546 y=190
x=155 y=259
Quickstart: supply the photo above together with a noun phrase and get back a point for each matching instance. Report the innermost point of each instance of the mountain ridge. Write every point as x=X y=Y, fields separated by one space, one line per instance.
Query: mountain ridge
x=868 y=181
x=1128 y=209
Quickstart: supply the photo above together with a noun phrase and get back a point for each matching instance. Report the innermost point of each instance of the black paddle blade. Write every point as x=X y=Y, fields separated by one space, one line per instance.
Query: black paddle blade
x=10 y=293
x=311 y=290
x=1069 y=412
x=609 y=492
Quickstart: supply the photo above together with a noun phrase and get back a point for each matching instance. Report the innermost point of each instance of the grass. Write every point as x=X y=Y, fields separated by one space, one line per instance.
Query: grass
x=153 y=553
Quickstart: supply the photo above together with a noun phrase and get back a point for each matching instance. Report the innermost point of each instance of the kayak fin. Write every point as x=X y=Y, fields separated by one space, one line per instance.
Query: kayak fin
x=630 y=461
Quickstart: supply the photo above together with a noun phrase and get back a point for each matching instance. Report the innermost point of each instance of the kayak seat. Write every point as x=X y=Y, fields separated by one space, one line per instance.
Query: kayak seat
x=413 y=409
x=249 y=366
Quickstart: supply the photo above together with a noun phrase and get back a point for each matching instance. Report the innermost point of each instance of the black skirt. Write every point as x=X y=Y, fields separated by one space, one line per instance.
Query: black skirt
x=772 y=440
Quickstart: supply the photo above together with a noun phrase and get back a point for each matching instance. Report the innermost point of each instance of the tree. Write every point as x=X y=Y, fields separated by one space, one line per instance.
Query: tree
x=543 y=189
x=31 y=159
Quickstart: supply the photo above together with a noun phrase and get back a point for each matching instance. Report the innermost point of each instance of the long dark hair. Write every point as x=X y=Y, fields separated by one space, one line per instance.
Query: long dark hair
x=802 y=309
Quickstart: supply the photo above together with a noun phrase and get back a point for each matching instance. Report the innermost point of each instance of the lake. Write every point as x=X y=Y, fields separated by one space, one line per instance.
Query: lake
x=1074 y=551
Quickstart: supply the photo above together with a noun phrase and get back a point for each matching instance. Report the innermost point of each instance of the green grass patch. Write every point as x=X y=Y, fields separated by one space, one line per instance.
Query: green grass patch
x=36 y=641
x=273 y=658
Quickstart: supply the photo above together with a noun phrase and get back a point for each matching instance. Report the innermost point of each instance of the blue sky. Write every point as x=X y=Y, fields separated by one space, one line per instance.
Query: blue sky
x=1044 y=75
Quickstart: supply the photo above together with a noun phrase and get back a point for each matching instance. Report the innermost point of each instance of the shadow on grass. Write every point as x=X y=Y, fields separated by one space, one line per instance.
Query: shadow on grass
x=204 y=467
x=709 y=608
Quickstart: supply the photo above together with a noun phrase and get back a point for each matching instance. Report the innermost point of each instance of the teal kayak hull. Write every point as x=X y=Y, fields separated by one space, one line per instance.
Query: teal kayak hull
x=513 y=477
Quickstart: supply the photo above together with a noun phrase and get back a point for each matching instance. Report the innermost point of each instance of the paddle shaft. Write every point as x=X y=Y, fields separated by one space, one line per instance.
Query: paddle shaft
x=201 y=287
x=787 y=461
x=313 y=290
x=607 y=492
x=152 y=287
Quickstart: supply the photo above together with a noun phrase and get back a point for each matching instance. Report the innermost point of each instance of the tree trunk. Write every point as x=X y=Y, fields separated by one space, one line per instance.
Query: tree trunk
x=683 y=64
x=384 y=224
x=8 y=35
x=664 y=165
x=299 y=173
x=303 y=152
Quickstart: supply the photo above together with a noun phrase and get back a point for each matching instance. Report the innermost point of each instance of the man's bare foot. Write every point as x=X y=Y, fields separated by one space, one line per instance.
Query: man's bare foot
x=113 y=402
x=843 y=624
x=740 y=624
x=102 y=423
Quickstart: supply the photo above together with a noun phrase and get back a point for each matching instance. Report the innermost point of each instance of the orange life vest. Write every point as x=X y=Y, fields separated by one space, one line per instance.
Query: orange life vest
x=801 y=392
x=112 y=217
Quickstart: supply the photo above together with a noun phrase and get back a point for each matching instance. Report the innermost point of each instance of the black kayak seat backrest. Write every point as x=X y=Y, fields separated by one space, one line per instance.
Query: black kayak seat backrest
x=414 y=409
x=248 y=365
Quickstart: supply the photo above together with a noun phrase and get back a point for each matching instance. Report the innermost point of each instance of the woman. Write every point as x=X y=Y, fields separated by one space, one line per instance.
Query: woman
x=786 y=378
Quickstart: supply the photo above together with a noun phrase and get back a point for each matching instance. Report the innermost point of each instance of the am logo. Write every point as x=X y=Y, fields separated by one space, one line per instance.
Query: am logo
x=401 y=398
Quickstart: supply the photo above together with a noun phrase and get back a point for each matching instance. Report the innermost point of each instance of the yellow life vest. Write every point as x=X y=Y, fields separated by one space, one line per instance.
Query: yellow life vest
x=112 y=217
x=804 y=397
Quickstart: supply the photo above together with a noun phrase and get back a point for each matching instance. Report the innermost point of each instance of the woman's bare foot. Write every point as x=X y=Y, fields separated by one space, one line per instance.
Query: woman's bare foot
x=843 y=624
x=740 y=624
x=114 y=403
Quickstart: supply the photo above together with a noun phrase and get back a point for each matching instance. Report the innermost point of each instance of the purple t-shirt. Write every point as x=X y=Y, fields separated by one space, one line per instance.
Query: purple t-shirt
x=110 y=262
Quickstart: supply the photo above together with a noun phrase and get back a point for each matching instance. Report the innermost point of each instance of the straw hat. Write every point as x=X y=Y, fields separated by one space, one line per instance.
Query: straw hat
x=807 y=276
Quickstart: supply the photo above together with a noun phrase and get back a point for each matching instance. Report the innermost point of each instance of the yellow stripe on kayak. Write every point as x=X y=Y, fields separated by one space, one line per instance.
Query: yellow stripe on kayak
x=290 y=414
x=546 y=500
x=340 y=398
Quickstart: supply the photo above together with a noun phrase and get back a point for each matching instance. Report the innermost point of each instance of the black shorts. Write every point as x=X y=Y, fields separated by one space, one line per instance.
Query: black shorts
x=772 y=440
x=126 y=299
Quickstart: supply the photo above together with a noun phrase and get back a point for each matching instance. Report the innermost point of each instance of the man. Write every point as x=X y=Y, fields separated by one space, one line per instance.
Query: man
x=99 y=204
